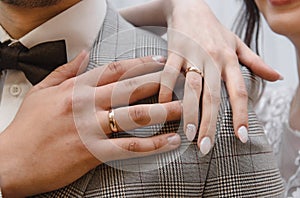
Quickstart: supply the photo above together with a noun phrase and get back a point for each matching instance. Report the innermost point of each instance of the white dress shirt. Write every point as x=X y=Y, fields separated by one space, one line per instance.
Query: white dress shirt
x=79 y=26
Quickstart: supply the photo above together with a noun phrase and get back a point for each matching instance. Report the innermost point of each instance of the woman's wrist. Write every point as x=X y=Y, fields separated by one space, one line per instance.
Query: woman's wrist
x=172 y=9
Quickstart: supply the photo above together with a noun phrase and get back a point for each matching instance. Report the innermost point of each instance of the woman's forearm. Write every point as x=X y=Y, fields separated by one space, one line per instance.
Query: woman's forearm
x=153 y=13
x=162 y=12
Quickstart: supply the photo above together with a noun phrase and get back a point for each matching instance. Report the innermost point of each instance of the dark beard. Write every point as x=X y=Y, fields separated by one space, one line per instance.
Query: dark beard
x=31 y=3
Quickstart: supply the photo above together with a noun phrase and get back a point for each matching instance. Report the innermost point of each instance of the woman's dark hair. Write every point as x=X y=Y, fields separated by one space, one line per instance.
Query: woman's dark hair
x=248 y=23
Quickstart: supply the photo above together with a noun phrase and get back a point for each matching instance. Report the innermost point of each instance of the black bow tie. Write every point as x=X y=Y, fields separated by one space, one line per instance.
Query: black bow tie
x=36 y=62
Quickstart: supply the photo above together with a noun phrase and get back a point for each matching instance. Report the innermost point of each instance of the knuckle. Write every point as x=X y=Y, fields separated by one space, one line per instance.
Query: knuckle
x=67 y=105
x=213 y=97
x=116 y=68
x=212 y=51
x=133 y=145
x=230 y=55
x=72 y=101
x=195 y=82
x=63 y=70
x=253 y=61
x=242 y=92
x=67 y=85
x=130 y=84
x=157 y=143
x=139 y=115
x=174 y=109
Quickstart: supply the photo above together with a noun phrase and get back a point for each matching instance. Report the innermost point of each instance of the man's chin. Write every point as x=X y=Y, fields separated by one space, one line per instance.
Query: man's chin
x=31 y=3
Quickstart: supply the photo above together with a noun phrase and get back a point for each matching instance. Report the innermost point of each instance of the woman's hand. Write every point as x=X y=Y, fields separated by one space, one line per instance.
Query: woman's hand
x=61 y=130
x=196 y=39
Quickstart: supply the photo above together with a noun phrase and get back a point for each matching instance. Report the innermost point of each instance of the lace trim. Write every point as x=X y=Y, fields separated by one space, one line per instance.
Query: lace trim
x=294 y=181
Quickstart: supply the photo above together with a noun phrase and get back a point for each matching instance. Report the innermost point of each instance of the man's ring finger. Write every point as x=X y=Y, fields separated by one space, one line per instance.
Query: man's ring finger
x=112 y=121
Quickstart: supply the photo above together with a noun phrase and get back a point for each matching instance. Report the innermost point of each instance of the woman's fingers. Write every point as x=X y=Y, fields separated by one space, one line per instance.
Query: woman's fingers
x=169 y=77
x=128 y=118
x=191 y=99
x=238 y=99
x=117 y=71
x=255 y=63
x=125 y=148
x=210 y=108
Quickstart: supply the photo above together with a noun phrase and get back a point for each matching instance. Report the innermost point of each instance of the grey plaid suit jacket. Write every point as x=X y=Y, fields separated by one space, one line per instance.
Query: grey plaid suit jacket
x=231 y=169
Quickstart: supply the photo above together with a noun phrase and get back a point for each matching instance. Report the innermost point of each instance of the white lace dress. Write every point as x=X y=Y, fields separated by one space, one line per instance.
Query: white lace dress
x=273 y=111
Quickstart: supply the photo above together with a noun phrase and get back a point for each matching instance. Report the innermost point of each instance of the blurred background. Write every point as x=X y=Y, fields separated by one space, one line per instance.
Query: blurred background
x=276 y=50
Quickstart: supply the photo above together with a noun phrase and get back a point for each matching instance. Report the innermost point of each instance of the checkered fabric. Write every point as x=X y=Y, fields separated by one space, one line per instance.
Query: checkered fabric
x=231 y=169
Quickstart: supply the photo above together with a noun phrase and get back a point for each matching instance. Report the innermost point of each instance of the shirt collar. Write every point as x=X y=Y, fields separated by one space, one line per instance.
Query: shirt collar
x=79 y=26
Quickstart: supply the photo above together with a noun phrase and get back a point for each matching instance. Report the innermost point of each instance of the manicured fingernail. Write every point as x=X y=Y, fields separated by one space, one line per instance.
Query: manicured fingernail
x=159 y=59
x=243 y=134
x=205 y=145
x=174 y=140
x=281 y=77
x=191 y=132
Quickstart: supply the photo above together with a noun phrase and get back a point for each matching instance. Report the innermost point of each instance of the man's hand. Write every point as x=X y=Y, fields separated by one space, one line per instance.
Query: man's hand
x=61 y=130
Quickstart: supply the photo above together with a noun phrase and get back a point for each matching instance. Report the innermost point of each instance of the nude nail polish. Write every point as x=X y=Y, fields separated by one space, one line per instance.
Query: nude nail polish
x=243 y=134
x=174 y=140
x=205 y=145
x=191 y=131
x=280 y=76
x=159 y=59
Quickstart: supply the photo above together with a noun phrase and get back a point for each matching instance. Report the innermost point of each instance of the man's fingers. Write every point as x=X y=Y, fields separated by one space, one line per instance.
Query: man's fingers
x=255 y=63
x=169 y=77
x=238 y=99
x=191 y=99
x=125 y=148
x=130 y=68
x=117 y=71
x=128 y=118
x=66 y=71
x=128 y=91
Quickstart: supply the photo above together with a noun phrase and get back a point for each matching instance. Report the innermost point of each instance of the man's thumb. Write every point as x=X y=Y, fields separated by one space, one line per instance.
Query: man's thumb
x=69 y=70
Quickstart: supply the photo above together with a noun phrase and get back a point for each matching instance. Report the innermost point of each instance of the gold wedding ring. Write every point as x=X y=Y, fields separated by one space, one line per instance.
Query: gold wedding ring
x=112 y=121
x=194 y=69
